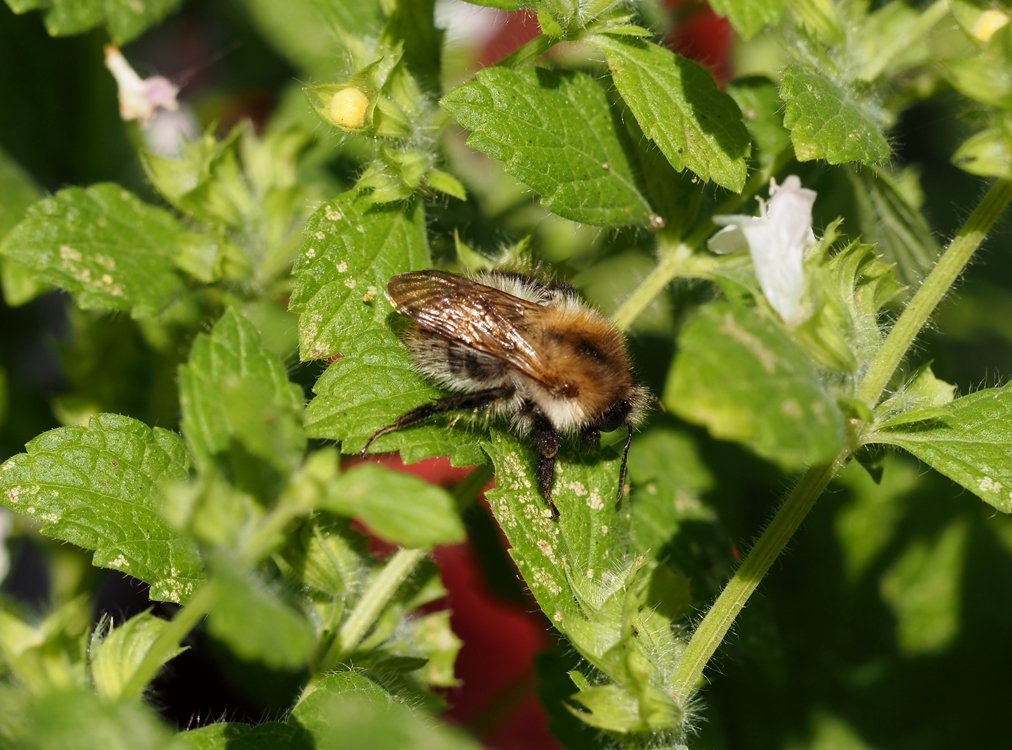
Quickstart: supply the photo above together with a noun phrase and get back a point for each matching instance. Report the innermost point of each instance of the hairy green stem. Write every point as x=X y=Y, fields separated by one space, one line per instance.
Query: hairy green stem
x=169 y=639
x=931 y=291
x=925 y=21
x=718 y=620
x=743 y=583
x=376 y=596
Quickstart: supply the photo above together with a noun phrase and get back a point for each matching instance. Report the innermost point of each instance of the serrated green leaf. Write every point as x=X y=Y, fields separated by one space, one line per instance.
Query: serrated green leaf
x=920 y=395
x=828 y=121
x=616 y=709
x=364 y=391
x=205 y=180
x=397 y=507
x=256 y=623
x=233 y=392
x=679 y=107
x=749 y=17
x=987 y=153
x=270 y=735
x=581 y=572
x=116 y=654
x=104 y=246
x=123 y=19
x=739 y=374
x=969 y=440
x=432 y=637
x=352 y=249
x=348 y=710
x=556 y=133
x=98 y=487
x=79 y=718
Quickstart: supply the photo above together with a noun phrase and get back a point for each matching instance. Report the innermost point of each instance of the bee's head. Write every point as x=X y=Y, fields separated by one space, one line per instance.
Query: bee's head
x=616 y=416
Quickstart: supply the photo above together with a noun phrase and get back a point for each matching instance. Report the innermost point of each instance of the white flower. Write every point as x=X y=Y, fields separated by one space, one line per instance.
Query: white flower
x=777 y=239
x=139 y=98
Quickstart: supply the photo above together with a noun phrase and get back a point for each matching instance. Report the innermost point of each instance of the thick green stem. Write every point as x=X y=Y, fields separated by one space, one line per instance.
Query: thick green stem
x=732 y=599
x=931 y=291
x=376 y=596
x=671 y=265
x=725 y=609
x=169 y=639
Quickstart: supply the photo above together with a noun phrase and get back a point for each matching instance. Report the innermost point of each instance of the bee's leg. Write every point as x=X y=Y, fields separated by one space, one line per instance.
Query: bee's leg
x=546 y=443
x=449 y=403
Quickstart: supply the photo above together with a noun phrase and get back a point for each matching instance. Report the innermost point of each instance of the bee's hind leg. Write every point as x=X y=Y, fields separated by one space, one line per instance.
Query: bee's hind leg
x=448 y=403
x=546 y=443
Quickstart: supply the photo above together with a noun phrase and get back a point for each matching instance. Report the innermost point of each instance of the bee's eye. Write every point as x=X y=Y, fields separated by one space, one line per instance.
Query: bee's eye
x=615 y=416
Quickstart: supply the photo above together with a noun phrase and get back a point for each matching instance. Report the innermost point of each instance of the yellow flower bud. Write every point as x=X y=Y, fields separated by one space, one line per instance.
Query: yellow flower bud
x=988 y=23
x=347 y=108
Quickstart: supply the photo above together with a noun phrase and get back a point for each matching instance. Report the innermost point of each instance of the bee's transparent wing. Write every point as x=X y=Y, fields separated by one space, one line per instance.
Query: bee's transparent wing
x=482 y=317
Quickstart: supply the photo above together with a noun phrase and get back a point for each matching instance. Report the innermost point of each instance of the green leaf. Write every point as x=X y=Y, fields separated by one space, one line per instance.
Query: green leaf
x=307 y=33
x=890 y=216
x=17 y=192
x=116 y=654
x=581 y=572
x=269 y=735
x=397 y=507
x=351 y=251
x=205 y=180
x=79 y=718
x=104 y=246
x=828 y=121
x=668 y=477
x=763 y=114
x=983 y=75
x=555 y=132
x=749 y=17
x=348 y=710
x=47 y=655
x=256 y=623
x=679 y=107
x=741 y=376
x=237 y=403
x=126 y=19
x=364 y=391
x=969 y=440
x=987 y=153
x=98 y=487
x=123 y=19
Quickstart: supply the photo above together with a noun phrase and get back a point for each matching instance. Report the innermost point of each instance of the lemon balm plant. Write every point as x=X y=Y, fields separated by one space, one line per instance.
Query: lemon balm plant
x=765 y=243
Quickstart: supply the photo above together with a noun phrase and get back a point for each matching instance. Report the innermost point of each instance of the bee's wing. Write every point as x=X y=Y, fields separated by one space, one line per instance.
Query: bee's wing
x=479 y=316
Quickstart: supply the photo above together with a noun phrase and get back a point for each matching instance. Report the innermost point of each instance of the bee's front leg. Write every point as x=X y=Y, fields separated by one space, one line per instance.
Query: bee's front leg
x=546 y=443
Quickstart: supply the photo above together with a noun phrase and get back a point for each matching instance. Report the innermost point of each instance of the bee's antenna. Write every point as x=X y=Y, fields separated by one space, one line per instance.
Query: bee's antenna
x=378 y=433
x=625 y=461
